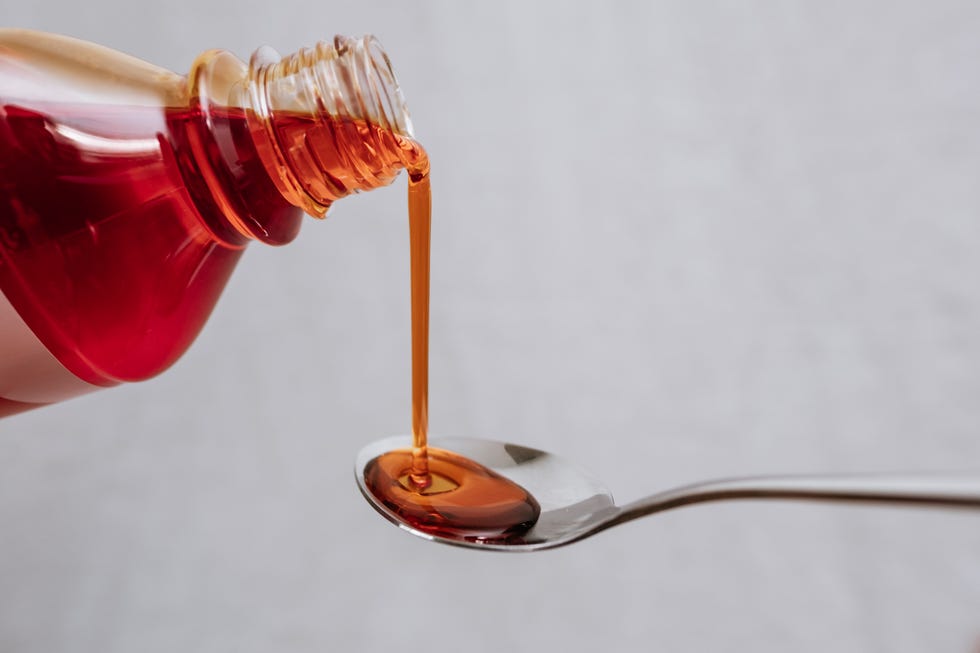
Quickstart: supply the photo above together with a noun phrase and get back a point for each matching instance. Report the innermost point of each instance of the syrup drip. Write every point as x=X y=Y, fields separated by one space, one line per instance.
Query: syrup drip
x=433 y=490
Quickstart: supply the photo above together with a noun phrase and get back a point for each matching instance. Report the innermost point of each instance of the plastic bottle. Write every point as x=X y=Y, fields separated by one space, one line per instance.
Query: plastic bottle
x=128 y=192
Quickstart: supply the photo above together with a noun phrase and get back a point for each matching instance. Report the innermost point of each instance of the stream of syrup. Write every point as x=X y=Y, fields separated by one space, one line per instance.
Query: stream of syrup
x=434 y=490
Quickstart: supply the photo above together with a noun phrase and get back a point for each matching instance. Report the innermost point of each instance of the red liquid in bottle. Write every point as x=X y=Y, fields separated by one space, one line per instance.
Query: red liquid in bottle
x=111 y=250
x=104 y=255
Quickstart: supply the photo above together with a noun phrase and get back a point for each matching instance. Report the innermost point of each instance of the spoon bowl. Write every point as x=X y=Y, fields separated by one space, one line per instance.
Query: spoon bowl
x=575 y=506
x=571 y=501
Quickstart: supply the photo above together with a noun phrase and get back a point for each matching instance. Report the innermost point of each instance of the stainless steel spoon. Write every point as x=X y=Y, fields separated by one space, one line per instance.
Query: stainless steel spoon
x=575 y=506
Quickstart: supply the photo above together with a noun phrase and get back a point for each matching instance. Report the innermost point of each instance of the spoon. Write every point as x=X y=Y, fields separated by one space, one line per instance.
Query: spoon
x=575 y=506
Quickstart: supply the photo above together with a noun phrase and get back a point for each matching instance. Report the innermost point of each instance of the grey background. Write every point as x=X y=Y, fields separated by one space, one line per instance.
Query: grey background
x=671 y=241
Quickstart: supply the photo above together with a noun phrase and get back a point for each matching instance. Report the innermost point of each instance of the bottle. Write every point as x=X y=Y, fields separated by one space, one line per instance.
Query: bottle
x=128 y=192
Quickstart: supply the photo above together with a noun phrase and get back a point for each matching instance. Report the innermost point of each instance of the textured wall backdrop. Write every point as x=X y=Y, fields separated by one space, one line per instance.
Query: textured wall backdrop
x=671 y=241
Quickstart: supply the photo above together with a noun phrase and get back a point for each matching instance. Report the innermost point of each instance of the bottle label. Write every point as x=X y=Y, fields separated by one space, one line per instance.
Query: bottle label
x=29 y=373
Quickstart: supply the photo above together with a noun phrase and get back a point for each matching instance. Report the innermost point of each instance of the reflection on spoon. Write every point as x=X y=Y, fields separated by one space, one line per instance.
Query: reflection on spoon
x=574 y=506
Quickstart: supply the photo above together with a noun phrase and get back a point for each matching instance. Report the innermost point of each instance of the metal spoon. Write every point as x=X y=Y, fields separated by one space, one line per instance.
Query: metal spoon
x=575 y=506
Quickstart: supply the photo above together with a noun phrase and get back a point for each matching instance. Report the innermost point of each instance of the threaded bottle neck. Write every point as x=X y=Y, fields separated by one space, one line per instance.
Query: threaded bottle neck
x=329 y=121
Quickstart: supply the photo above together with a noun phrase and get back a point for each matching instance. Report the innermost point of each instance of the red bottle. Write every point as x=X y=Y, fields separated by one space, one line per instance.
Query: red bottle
x=128 y=192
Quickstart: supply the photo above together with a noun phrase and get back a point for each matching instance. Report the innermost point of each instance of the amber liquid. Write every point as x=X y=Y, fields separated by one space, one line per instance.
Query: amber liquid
x=434 y=490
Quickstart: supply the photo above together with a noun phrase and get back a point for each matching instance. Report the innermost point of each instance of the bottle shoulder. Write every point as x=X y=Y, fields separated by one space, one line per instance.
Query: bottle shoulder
x=35 y=65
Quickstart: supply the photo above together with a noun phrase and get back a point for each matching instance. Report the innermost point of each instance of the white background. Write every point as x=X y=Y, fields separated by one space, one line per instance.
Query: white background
x=672 y=241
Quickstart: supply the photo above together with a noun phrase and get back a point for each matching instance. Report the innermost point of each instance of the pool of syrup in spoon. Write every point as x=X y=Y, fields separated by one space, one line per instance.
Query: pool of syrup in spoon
x=433 y=490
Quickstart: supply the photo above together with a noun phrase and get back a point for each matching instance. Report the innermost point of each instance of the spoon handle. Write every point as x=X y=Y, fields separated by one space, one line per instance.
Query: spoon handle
x=916 y=489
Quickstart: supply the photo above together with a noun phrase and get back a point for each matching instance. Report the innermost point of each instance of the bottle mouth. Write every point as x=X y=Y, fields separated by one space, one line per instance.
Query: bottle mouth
x=348 y=78
x=383 y=88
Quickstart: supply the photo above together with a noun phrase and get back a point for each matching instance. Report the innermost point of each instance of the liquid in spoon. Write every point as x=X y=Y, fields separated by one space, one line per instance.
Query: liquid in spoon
x=434 y=490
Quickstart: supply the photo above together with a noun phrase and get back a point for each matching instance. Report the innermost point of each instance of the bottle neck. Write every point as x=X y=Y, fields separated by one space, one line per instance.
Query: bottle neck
x=328 y=121
x=320 y=124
